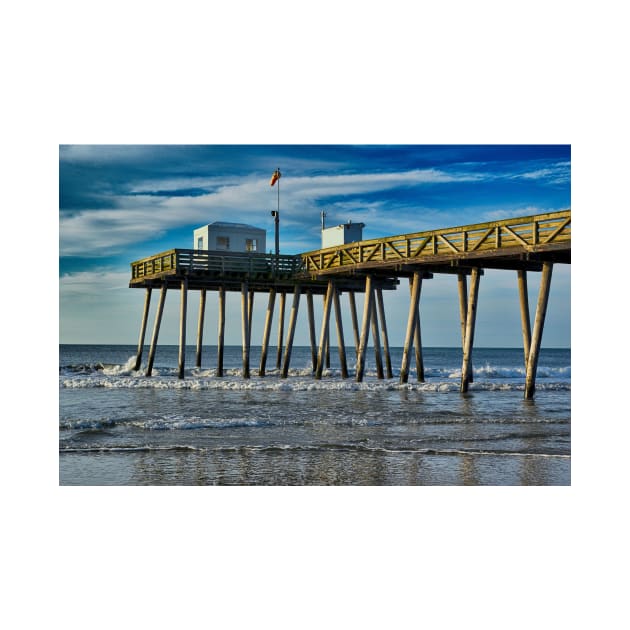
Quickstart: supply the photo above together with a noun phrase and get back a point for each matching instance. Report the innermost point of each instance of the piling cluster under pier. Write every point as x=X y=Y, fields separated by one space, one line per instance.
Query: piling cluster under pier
x=369 y=267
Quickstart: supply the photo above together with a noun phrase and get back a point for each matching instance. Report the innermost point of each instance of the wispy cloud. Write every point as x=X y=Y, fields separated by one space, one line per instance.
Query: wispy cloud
x=137 y=217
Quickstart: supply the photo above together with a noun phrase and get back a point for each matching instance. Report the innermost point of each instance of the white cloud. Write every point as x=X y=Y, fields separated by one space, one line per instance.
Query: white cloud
x=101 y=232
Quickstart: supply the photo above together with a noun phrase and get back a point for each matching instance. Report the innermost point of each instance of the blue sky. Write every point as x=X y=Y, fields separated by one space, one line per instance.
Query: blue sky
x=119 y=203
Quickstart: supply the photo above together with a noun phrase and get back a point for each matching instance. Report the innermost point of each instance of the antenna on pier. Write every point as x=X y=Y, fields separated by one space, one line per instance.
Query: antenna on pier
x=324 y=219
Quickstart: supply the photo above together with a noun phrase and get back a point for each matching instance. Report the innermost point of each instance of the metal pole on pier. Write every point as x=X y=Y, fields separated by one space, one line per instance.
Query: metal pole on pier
x=276 y=215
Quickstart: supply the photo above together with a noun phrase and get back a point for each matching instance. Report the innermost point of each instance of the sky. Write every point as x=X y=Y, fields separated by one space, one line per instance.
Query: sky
x=120 y=203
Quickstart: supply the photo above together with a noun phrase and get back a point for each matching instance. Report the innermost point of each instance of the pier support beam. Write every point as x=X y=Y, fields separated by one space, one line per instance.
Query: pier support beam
x=183 y=304
x=376 y=340
x=250 y=313
x=525 y=321
x=539 y=322
x=417 y=339
x=311 y=328
x=365 y=327
x=283 y=299
x=323 y=337
x=291 y=330
x=156 y=329
x=411 y=325
x=355 y=323
x=267 y=332
x=202 y=311
x=381 y=314
x=245 y=328
x=340 y=340
x=471 y=316
x=221 y=332
x=463 y=291
x=143 y=328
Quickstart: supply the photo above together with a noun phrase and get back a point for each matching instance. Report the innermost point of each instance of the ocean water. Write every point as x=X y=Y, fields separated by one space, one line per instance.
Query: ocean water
x=119 y=427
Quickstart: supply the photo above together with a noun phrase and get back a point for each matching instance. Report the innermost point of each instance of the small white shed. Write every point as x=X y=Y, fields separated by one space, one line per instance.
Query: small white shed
x=342 y=234
x=232 y=237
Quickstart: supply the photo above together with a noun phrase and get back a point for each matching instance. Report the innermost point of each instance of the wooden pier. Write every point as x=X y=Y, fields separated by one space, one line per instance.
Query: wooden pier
x=532 y=243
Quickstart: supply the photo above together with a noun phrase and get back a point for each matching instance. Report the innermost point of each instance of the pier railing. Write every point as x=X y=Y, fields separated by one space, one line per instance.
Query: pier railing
x=532 y=233
x=179 y=261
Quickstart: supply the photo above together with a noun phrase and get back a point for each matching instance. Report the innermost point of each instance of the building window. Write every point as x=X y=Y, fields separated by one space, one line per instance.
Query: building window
x=251 y=244
x=223 y=242
x=200 y=242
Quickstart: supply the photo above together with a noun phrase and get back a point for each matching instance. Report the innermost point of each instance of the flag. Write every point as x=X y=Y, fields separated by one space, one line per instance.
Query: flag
x=275 y=177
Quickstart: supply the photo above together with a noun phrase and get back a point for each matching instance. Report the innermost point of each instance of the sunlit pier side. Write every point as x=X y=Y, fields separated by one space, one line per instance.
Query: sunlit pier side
x=525 y=244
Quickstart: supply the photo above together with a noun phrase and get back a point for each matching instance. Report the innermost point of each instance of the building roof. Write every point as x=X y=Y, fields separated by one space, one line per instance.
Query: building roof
x=228 y=224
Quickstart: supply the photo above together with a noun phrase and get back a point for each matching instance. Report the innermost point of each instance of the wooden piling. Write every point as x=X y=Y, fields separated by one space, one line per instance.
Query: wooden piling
x=291 y=330
x=245 y=328
x=525 y=321
x=365 y=327
x=143 y=328
x=283 y=298
x=411 y=325
x=355 y=323
x=183 y=303
x=156 y=329
x=267 y=332
x=376 y=340
x=221 y=331
x=250 y=313
x=463 y=305
x=323 y=337
x=381 y=315
x=311 y=328
x=417 y=339
x=202 y=311
x=539 y=323
x=471 y=315
x=340 y=339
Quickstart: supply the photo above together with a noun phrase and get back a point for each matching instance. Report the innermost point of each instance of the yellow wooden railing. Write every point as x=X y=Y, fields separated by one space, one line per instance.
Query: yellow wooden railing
x=532 y=233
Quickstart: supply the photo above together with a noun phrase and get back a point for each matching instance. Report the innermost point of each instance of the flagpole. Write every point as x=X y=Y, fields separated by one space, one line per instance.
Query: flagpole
x=278 y=221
